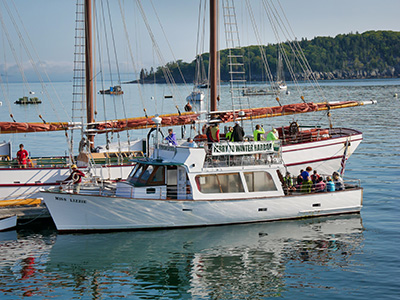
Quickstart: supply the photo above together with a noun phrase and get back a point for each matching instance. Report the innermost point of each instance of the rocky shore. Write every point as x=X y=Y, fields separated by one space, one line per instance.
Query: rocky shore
x=339 y=74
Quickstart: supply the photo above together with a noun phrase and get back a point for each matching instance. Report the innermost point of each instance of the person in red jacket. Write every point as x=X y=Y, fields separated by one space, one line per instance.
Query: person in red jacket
x=22 y=157
x=76 y=177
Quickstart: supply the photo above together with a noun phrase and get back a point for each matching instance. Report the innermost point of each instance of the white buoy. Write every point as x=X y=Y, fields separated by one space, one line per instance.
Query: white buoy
x=395 y=95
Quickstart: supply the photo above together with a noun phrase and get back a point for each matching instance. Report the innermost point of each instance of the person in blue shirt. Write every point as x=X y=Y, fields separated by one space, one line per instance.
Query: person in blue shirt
x=171 y=138
x=330 y=186
x=306 y=173
x=190 y=143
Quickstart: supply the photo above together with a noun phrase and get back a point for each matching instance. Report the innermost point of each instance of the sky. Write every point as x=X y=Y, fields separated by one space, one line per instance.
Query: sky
x=51 y=23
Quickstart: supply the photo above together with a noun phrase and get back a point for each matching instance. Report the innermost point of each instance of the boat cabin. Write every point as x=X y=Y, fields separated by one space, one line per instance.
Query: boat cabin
x=226 y=170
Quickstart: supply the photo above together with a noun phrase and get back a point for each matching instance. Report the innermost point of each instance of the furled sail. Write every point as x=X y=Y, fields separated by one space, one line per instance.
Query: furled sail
x=181 y=118
x=101 y=127
x=289 y=109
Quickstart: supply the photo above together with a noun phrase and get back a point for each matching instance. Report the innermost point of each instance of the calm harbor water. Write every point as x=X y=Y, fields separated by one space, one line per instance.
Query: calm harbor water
x=341 y=257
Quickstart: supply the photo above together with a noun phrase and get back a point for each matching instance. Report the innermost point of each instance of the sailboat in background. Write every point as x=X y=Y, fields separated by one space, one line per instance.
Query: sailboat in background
x=276 y=87
x=312 y=145
x=20 y=186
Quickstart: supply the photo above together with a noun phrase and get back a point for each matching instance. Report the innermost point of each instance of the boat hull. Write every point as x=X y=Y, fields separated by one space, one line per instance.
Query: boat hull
x=72 y=212
x=325 y=156
x=26 y=183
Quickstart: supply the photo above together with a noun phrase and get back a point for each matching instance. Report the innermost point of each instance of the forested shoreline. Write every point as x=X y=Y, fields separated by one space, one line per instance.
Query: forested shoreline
x=372 y=54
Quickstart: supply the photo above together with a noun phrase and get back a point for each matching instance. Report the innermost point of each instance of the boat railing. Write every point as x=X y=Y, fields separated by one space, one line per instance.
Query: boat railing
x=299 y=189
x=89 y=186
x=303 y=135
x=227 y=153
x=37 y=162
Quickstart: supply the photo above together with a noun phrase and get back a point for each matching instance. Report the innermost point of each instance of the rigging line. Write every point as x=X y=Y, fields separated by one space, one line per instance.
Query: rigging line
x=43 y=69
x=13 y=51
x=5 y=95
x=117 y=67
x=131 y=52
x=274 y=15
x=169 y=46
x=102 y=80
x=3 y=88
x=17 y=60
x=108 y=54
x=22 y=40
x=106 y=42
x=261 y=48
x=116 y=56
x=199 y=43
x=167 y=73
x=270 y=15
x=303 y=55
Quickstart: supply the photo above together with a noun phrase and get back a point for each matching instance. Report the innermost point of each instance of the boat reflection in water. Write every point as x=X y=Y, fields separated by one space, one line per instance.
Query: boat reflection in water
x=203 y=262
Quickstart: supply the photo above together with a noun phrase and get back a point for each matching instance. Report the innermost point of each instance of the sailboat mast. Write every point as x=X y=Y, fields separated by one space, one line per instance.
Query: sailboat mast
x=213 y=54
x=89 y=66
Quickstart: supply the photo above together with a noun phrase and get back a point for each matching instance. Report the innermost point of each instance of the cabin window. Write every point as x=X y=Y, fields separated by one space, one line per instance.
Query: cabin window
x=148 y=175
x=259 y=182
x=148 y=170
x=158 y=176
x=219 y=183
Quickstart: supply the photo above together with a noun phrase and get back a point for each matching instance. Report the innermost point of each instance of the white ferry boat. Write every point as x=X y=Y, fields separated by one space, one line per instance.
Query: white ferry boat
x=184 y=187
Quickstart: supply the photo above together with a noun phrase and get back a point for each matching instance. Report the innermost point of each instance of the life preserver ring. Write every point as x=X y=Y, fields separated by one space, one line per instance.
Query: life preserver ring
x=75 y=177
x=293 y=128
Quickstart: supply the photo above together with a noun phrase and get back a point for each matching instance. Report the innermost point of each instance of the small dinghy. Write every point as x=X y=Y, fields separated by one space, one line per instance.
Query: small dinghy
x=8 y=223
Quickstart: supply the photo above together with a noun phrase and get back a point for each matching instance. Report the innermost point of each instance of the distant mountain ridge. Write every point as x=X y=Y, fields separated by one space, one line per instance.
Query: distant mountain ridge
x=372 y=54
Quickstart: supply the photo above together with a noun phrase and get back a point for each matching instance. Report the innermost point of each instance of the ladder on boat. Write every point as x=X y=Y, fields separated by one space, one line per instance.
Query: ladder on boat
x=79 y=85
x=235 y=56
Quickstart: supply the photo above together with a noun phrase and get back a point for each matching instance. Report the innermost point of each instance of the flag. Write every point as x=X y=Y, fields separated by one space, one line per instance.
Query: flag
x=344 y=158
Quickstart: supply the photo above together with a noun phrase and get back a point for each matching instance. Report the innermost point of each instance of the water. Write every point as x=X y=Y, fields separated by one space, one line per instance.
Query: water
x=341 y=257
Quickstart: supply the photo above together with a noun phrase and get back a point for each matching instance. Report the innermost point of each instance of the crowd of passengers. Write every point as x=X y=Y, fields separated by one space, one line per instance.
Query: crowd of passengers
x=307 y=182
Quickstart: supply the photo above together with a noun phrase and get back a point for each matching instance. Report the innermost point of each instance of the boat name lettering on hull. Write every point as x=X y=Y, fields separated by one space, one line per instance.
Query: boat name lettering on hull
x=60 y=199
x=77 y=201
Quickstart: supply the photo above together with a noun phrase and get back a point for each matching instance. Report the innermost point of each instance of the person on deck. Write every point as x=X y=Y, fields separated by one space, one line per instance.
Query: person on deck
x=171 y=138
x=215 y=133
x=76 y=177
x=190 y=143
x=238 y=132
x=22 y=157
x=306 y=173
x=330 y=186
x=315 y=176
x=320 y=185
x=273 y=135
x=299 y=183
x=306 y=186
x=258 y=133
x=288 y=183
x=338 y=181
x=228 y=135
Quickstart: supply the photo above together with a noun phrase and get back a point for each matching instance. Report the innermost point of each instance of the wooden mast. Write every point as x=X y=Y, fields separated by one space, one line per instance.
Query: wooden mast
x=213 y=54
x=89 y=67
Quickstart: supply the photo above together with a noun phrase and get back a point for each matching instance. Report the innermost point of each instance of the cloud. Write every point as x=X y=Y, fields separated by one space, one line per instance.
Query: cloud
x=56 y=71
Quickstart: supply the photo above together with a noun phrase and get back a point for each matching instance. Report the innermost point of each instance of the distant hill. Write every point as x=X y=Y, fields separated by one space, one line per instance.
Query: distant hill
x=372 y=54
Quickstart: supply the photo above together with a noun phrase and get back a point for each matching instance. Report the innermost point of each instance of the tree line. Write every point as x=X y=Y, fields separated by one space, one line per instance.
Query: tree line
x=372 y=54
